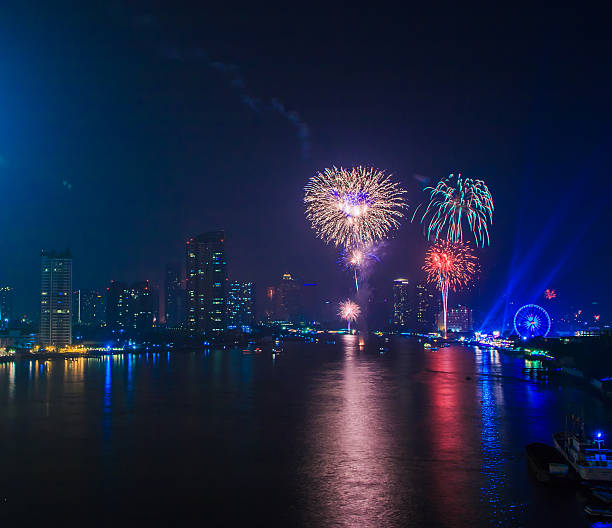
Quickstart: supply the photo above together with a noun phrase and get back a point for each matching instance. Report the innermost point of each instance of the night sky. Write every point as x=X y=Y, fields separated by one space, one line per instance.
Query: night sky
x=127 y=128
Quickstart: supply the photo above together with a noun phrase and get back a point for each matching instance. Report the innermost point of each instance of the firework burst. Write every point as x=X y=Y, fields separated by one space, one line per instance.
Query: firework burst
x=353 y=207
x=349 y=311
x=449 y=265
x=453 y=201
x=354 y=258
x=358 y=258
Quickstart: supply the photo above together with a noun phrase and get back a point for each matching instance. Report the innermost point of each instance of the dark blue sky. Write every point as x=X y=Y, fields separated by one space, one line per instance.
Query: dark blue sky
x=127 y=128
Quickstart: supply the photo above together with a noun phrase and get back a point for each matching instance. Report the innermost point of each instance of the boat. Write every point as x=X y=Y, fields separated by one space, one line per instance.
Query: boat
x=597 y=511
x=547 y=464
x=584 y=454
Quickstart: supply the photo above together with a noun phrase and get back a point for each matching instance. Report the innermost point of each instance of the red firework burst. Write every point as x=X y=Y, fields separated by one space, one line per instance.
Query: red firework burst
x=550 y=294
x=450 y=261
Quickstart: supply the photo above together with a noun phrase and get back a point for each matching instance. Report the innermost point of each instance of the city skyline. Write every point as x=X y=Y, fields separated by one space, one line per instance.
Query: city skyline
x=236 y=153
x=567 y=315
x=338 y=265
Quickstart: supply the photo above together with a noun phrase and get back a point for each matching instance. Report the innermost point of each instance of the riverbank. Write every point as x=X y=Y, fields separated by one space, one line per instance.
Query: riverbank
x=564 y=366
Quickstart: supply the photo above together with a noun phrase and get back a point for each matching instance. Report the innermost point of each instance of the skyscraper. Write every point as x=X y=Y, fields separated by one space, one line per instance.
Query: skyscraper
x=87 y=308
x=206 y=282
x=241 y=305
x=426 y=307
x=403 y=305
x=288 y=299
x=174 y=296
x=55 y=299
x=117 y=306
x=6 y=306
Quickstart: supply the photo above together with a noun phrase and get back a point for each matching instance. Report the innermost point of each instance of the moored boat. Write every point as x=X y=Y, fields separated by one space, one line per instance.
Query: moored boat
x=597 y=511
x=585 y=454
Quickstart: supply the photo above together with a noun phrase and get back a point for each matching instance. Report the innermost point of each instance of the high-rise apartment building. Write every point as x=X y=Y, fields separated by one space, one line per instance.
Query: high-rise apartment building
x=55 y=299
x=403 y=304
x=241 y=305
x=206 y=276
x=174 y=297
x=87 y=308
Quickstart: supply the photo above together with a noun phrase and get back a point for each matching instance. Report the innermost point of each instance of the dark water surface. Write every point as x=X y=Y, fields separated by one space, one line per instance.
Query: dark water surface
x=324 y=435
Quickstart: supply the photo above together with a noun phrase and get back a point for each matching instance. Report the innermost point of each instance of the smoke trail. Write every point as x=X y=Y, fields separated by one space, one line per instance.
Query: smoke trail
x=247 y=98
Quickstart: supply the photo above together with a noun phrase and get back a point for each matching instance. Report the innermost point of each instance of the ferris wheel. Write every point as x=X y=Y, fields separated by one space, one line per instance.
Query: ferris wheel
x=530 y=321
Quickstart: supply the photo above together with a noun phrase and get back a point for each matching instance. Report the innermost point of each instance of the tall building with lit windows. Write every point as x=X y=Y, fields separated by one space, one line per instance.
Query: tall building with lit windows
x=55 y=299
x=142 y=306
x=427 y=305
x=206 y=276
x=459 y=319
x=131 y=308
x=288 y=299
x=240 y=305
x=403 y=305
x=118 y=306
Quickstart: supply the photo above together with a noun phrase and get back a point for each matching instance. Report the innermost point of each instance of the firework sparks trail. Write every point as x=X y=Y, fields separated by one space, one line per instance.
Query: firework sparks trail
x=453 y=200
x=349 y=311
x=353 y=207
x=358 y=258
x=449 y=265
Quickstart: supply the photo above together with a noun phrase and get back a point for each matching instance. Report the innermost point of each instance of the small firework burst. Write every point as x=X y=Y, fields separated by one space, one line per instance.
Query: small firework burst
x=349 y=310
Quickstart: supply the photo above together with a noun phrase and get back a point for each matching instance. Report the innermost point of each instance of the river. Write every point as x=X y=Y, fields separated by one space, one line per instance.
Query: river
x=322 y=435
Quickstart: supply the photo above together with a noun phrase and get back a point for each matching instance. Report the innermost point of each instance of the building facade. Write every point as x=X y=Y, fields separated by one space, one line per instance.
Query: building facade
x=459 y=319
x=241 y=305
x=55 y=299
x=206 y=277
